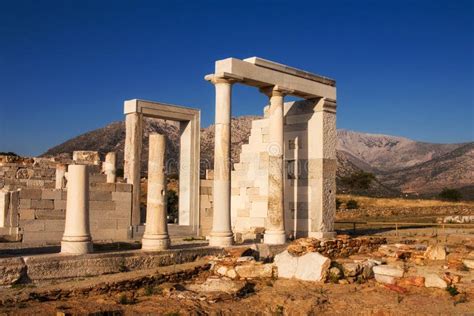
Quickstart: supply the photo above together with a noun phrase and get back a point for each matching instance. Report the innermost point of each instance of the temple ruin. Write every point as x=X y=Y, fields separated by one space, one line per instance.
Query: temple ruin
x=283 y=186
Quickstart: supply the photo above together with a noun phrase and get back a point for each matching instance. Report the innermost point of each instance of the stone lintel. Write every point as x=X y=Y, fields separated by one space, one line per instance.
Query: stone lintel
x=160 y=110
x=290 y=70
x=260 y=77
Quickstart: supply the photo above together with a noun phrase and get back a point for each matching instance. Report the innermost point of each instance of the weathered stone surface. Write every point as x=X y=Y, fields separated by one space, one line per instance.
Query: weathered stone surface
x=392 y=271
x=436 y=252
x=384 y=279
x=351 y=269
x=254 y=270
x=11 y=270
x=286 y=264
x=312 y=267
x=433 y=280
x=418 y=281
x=469 y=263
x=217 y=285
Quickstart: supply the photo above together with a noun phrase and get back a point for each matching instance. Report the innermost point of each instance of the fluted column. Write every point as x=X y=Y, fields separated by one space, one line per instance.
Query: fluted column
x=77 y=238
x=110 y=168
x=221 y=234
x=156 y=228
x=275 y=221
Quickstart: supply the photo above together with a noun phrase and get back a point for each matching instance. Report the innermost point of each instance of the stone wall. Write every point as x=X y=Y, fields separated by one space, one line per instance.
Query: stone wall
x=42 y=211
x=249 y=200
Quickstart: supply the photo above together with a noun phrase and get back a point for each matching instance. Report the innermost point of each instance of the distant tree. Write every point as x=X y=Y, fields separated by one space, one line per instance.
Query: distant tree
x=119 y=172
x=8 y=153
x=450 y=194
x=352 y=204
x=359 y=180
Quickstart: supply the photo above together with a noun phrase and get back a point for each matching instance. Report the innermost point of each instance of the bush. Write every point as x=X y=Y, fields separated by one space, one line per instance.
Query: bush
x=352 y=204
x=338 y=204
x=358 y=180
x=450 y=194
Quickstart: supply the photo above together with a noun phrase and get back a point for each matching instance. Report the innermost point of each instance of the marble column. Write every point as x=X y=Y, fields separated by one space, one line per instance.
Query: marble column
x=322 y=164
x=132 y=156
x=156 y=227
x=110 y=168
x=275 y=221
x=221 y=234
x=77 y=237
x=61 y=176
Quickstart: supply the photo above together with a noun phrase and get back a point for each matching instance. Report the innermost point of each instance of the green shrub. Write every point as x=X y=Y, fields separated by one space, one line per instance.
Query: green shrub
x=450 y=194
x=358 y=180
x=172 y=205
x=352 y=204
x=452 y=290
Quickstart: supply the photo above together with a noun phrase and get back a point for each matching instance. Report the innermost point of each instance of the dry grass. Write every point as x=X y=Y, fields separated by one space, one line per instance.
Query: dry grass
x=366 y=202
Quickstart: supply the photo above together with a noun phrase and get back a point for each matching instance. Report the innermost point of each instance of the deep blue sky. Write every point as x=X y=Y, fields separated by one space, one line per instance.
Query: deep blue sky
x=402 y=67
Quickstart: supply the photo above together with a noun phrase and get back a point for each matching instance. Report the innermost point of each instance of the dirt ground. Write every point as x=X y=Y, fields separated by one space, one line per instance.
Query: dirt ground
x=270 y=297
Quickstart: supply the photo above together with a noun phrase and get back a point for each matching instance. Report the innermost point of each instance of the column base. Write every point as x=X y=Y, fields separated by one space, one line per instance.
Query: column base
x=155 y=244
x=221 y=240
x=76 y=247
x=274 y=237
x=322 y=235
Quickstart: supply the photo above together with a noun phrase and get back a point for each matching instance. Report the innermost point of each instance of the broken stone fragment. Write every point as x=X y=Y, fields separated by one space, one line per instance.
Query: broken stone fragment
x=418 y=281
x=254 y=271
x=468 y=263
x=436 y=252
x=217 y=285
x=351 y=269
x=389 y=270
x=433 y=280
x=309 y=267
x=387 y=279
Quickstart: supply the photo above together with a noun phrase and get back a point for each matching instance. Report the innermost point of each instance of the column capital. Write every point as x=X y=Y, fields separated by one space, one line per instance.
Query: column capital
x=324 y=105
x=271 y=91
x=223 y=77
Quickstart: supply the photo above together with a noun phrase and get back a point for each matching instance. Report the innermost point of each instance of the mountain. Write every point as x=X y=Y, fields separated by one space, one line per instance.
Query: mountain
x=399 y=164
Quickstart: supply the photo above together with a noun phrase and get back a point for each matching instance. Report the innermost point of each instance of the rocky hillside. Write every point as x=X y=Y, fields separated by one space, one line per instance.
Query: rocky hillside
x=400 y=164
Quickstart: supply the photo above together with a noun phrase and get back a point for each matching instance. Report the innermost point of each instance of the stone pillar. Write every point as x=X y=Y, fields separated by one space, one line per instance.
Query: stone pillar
x=132 y=153
x=275 y=221
x=109 y=167
x=322 y=139
x=77 y=237
x=61 y=176
x=221 y=234
x=185 y=161
x=156 y=228
x=4 y=207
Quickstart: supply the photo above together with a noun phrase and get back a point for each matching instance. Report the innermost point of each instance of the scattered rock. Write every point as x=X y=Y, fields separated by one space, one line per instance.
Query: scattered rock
x=11 y=270
x=351 y=269
x=245 y=259
x=436 y=252
x=254 y=271
x=218 y=285
x=309 y=267
x=393 y=271
x=222 y=270
x=384 y=279
x=396 y=288
x=286 y=264
x=418 y=281
x=468 y=263
x=367 y=269
x=335 y=274
x=237 y=252
x=231 y=274
x=433 y=280
x=312 y=267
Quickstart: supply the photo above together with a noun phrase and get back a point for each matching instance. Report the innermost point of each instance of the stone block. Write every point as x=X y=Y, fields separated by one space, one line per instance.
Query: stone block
x=312 y=267
x=50 y=214
x=259 y=209
x=27 y=214
x=123 y=207
x=43 y=236
x=32 y=194
x=60 y=204
x=51 y=194
x=243 y=212
x=286 y=265
x=54 y=225
x=32 y=225
x=25 y=203
x=86 y=156
x=42 y=204
x=97 y=178
x=103 y=187
x=121 y=196
x=123 y=187
x=102 y=205
x=100 y=196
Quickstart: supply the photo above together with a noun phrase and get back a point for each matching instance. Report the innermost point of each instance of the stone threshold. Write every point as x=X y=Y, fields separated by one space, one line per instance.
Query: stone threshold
x=38 y=268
